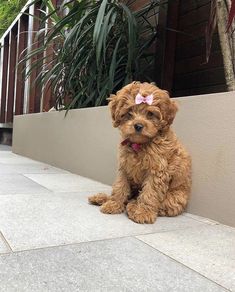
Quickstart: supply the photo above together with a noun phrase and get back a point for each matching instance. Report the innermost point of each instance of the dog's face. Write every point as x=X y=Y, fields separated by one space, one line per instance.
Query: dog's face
x=143 y=121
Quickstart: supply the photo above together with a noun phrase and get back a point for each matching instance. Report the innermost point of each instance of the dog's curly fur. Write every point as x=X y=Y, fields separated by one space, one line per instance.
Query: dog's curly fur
x=156 y=180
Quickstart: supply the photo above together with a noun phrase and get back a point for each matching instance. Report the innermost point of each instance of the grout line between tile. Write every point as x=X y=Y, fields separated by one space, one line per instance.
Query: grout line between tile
x=210 y=221
x=37 y=183
x=5 y=242
x=67 y=244
x=155 y=249
x=213 y=222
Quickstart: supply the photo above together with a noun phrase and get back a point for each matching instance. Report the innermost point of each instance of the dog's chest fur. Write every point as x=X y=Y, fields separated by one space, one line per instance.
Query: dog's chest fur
x=138 y=165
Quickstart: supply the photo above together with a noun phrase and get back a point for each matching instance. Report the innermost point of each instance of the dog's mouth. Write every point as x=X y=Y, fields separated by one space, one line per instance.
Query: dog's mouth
x=138 y=138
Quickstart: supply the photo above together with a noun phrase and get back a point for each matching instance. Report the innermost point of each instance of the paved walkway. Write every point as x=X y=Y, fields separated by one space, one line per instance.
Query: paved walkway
x=52 y=240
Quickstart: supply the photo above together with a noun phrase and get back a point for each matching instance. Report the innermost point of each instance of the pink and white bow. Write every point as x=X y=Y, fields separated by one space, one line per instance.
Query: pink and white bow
x=144 y=99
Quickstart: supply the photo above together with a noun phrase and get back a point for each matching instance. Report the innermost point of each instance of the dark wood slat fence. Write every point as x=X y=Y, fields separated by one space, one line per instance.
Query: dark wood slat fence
x=17 y=95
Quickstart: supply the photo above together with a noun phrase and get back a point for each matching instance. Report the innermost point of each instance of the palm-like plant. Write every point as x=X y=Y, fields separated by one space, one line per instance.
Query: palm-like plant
x=98 y=46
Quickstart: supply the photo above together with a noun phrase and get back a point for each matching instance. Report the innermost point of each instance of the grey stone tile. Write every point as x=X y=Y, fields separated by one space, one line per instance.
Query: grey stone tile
x=29 y=168
x=7 y=157
x=8 y=154
x=68 y=183
x=209 y=250
x=17 y=183
x=113 y=265
x=40 y=220
x=62 y=218
x=3 y=246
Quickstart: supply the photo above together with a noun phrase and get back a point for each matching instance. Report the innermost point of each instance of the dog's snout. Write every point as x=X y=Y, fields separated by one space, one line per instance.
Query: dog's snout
x=138 y=127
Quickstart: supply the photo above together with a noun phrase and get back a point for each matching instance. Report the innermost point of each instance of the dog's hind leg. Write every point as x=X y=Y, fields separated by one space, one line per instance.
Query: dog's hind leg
x=98 y=199
x=174 y=203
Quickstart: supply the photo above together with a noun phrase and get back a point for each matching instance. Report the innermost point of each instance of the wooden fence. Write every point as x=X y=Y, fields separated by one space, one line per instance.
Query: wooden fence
x=20 y=96
x=17 y=95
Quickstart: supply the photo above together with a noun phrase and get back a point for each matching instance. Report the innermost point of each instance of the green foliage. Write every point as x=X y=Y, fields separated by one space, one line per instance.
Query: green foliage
x=99 y=46
x=9 y=9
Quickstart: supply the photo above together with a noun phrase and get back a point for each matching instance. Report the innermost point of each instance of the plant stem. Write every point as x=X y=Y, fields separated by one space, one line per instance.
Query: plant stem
x=222 y=16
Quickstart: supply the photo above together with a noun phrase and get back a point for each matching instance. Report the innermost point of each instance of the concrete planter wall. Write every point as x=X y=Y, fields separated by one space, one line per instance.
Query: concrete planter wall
x=85 y=143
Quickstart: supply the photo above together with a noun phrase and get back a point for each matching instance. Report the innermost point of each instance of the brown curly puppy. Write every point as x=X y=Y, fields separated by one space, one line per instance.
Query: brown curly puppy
x=154 y=175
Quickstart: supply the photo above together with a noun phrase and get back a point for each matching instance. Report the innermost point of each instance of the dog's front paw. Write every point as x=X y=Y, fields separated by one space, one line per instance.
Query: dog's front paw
x=98 y=199
x=140 y=213
x=112 y=207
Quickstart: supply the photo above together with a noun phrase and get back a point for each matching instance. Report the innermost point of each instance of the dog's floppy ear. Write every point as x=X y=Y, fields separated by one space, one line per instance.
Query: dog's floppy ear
x=172 y=110
x=113 y=102
x=168 y=109
x=119 y=103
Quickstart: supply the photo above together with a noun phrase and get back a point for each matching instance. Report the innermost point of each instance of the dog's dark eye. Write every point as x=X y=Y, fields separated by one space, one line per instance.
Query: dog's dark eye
x=126 y=116
x=150 y=115
x=129 y=115
x=153 y=115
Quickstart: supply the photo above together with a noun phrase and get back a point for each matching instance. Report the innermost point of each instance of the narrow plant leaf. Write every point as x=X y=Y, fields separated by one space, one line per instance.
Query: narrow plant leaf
x=210 y=28
x=99 y=20
x=113 y=65
x=131 y=38
x=104 y=30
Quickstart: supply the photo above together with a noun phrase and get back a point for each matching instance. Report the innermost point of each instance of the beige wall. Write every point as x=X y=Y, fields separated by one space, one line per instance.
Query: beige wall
x=85 y=143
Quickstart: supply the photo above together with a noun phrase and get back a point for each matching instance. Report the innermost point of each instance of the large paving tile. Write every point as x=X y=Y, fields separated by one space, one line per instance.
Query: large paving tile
x=209 y=250
x=29 y=168
x=62 y=218
x=17 y=183
x=68 y=183
x=113 y=265
x=40 y=220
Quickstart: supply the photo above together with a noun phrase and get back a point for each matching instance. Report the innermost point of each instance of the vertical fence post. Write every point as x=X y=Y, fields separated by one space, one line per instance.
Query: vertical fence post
x=47 y=90
x=47 y=101
x=170 y=45
x=161 y=42
x=4 y=78
x=1 y=62
x=11 y=74
x=34 y=90
x=20 y=81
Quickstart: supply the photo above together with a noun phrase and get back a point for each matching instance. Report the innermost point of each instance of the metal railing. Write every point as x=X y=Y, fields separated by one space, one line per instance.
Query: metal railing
x=18 y=95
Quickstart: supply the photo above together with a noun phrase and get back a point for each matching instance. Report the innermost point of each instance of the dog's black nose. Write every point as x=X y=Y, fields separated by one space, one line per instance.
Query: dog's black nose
x=138 y=127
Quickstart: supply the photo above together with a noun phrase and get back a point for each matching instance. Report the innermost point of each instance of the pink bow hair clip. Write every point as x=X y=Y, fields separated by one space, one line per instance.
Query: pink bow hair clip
x=144 y=99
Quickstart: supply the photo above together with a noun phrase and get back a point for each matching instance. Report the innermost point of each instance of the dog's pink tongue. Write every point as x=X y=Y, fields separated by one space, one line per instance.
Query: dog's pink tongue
x=135 y=146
